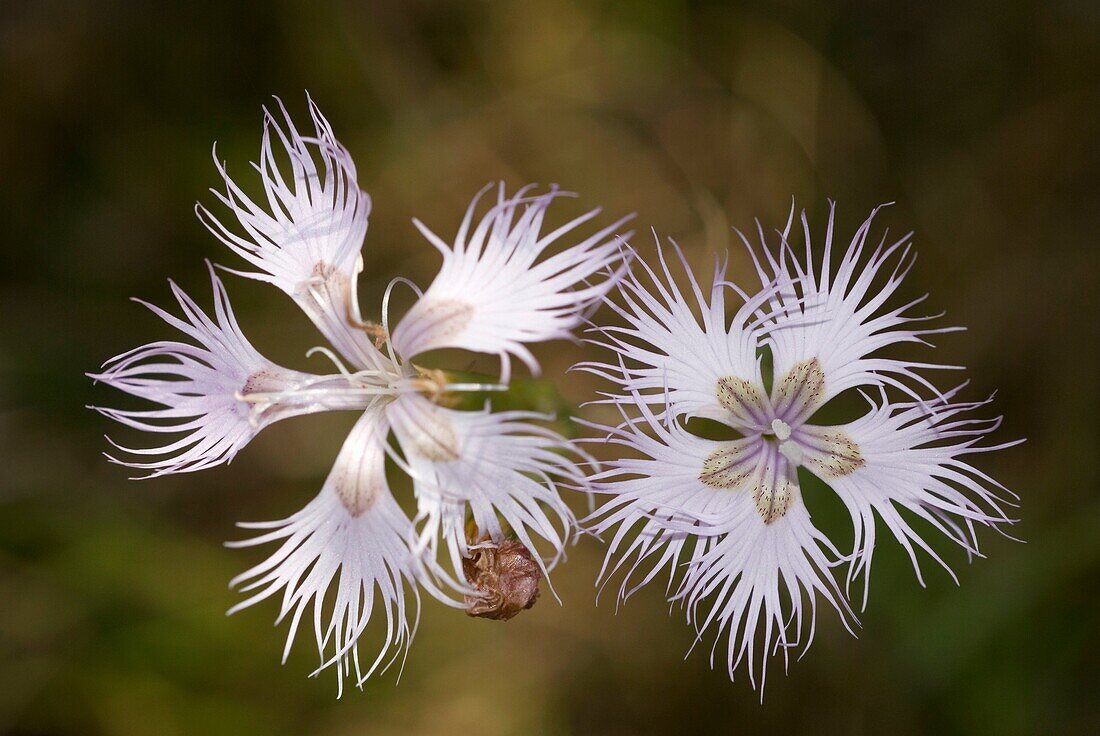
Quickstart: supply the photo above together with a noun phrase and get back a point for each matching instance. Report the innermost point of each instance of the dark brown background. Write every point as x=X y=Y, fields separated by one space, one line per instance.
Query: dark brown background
x=979 y=119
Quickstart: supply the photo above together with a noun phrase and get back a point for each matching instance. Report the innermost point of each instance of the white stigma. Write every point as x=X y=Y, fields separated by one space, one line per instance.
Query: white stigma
x=789 y=450
x=792 y=452
x=781 y=430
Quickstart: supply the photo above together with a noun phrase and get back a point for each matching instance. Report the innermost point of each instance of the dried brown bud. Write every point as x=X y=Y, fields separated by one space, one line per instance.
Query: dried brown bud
x=506 y=577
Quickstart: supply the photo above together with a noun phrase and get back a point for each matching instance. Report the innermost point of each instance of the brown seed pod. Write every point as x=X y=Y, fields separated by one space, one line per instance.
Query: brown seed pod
x=506 y=576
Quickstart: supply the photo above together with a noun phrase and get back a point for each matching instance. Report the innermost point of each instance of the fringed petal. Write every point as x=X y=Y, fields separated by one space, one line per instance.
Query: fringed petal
x=202 y=387
x=684 y=349
x=496 y=293
x=306 y=237
x=348 y=552
x=759 y=583
x=912 y=458
x=836 y=314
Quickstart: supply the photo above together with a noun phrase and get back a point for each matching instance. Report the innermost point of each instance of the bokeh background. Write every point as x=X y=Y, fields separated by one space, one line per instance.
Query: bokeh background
x=979 y=119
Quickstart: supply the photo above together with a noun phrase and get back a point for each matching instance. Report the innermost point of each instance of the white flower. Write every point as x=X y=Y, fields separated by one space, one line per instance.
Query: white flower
x=491 y=295
x=729 y=515
x=503 y=467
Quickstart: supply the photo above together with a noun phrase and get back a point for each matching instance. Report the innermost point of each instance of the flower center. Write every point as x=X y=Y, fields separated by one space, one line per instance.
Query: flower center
x=787 y=447
x=754 y=464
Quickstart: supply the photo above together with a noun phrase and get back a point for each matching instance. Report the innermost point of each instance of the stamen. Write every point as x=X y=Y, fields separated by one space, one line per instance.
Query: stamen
x=475 y=387
x=259 y=406
x=347 y=391
x=386 y=311
x=331 y=356
x=433 y=383
x=319 y=279
x=376 y=332
x=249 y=398
x=790 y=450
x=354 y=314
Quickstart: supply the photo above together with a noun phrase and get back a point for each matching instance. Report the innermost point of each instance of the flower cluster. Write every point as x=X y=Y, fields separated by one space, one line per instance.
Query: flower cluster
x=504 y=284
x=726 y=520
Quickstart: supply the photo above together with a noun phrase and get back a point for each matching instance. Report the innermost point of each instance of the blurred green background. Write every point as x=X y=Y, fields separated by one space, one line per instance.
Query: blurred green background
x=980 y=119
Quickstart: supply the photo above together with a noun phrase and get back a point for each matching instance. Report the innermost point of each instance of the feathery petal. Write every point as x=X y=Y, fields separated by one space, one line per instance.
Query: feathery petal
x=684 y=349
x=353 y=538
x=755 y=582
x=306 y=238
x=836 y=315
x=657 y=486
x=909 y=457
x=493 y=294
x=201 y=388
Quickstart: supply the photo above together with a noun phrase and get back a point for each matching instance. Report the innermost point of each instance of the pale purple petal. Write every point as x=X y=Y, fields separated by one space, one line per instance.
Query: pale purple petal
x=497 y=292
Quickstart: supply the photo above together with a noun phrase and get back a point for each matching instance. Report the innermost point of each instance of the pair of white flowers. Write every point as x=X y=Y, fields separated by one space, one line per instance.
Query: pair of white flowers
x=724 y=520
